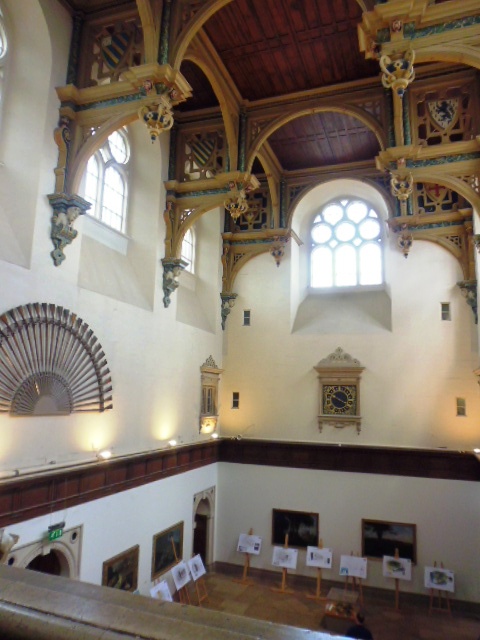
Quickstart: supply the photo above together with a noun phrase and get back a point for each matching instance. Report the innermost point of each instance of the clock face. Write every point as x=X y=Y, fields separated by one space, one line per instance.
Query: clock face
x=340 y=399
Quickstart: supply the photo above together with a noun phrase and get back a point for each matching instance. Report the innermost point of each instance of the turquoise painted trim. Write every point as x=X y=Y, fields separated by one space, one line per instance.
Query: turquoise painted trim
x=74 y=53
x=102 y=104
x=165 y=33
x=434 y=162
x=442 y=28
x=435 y=225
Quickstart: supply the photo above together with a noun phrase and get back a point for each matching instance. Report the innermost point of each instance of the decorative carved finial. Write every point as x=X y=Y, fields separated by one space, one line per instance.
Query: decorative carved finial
x=66 y=210
x=228 y=302
x=398 y=74
x=172 y=268
x=277 y=250
x=157 y=116
x=405 y=240
x=401 y=186
x=237 y=204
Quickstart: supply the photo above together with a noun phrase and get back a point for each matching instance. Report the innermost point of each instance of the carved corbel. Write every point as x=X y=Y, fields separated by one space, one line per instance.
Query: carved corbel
x=236 y=204
x=469 y=292
x=172 y=268
x=66 y=209
x=476 y=241
x=228 y=302
x=62 y=136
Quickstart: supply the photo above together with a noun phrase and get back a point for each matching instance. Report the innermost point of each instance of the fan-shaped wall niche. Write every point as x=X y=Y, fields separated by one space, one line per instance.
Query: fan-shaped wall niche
x=50 y=363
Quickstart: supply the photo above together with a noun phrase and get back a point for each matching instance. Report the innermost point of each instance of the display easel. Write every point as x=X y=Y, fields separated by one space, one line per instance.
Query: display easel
x=440 y=595
x=356 y=584
x=396 y=555
x=183 y=594
x=283 y=587
x=316 y=596
x=246 y=567
x=201 y=589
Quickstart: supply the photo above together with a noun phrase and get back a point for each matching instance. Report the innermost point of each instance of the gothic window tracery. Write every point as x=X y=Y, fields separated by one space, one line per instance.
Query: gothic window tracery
x=346 y=245
x=105 y=181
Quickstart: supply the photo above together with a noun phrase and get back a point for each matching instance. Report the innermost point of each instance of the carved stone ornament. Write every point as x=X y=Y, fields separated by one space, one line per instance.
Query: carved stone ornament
x=228 y=302
x=469 y=292
x=51 y=363
x=172 y=268
x=210 y=378
x=339 y=400
x=66 y=210
x=402 y=187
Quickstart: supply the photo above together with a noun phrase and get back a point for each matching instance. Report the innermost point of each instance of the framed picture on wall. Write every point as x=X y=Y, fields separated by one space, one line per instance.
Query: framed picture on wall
x=121 y=572
x=163 y=556
x=381 y=538
x=302 y=528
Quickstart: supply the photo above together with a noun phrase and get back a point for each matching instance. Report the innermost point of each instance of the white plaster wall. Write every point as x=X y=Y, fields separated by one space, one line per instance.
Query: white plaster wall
x=154 y=359
x=446 y=514
x=114 y=524
x=414 y=371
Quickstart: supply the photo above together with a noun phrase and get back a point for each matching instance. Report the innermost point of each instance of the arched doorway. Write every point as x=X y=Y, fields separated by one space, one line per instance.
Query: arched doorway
x=203 y=521
x=50 y=563
x=59 y=558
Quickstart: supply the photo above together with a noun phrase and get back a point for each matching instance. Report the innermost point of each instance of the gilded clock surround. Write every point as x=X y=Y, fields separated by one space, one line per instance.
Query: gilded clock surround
x=339 y=394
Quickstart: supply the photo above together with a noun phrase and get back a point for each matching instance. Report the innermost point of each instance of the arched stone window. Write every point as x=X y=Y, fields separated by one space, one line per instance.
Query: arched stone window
x=188 y=250
x=346 y=245
x=105 y=181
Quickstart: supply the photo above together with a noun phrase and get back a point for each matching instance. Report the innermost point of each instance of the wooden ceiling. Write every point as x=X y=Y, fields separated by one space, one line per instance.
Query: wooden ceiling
x=273 y=48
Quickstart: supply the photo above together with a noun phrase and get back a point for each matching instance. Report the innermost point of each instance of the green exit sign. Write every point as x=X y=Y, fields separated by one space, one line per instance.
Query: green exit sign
x=55 y=534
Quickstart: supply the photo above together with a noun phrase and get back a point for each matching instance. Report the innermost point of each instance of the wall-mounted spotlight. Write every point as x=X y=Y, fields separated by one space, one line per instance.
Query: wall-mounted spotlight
x=477 y=454
x=104 y=454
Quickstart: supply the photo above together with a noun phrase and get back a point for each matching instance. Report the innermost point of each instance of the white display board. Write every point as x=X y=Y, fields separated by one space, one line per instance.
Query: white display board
x=321 y=558
x=180 y=575
x=399 y=568
x=162 y=591
x=441 y=579
x=285 y=558
x=352 y=566
x=197 y=568
x=249 y=544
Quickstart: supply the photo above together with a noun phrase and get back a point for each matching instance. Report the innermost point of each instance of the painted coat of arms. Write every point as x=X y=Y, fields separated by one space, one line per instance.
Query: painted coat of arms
x=444 y=113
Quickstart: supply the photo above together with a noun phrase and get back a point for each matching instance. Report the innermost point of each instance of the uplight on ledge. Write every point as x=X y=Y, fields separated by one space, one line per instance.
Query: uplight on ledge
x=214 y=436
x=104 y=454
x=477 y=454
x=172 y=442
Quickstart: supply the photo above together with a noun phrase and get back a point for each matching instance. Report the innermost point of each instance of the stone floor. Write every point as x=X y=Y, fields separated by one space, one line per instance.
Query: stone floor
x=411 y=622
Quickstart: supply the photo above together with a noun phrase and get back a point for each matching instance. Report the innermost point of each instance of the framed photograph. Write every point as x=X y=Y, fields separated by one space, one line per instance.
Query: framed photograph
x=163 y=557
x=302 y=528
x=381 y=538
x=121 y=572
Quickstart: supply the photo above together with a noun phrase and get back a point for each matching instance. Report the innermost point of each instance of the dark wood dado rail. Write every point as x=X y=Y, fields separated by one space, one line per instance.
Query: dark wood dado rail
x=418 y=463
x=22 y=498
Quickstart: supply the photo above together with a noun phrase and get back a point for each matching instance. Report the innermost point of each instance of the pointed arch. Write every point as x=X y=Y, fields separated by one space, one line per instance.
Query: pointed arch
x=230 y=123
x=192 y=28
x=355 y=112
